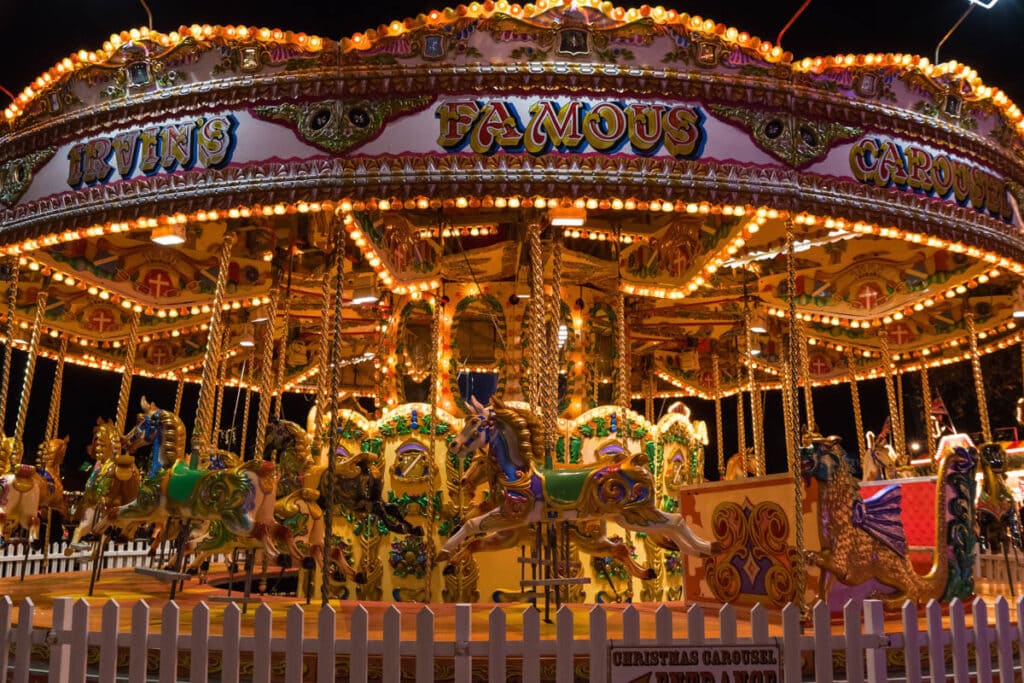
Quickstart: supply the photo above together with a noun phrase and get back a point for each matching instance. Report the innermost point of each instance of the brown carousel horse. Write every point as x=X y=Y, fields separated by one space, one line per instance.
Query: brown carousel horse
x=619 y=490
x=26 y=489
x=114 y=481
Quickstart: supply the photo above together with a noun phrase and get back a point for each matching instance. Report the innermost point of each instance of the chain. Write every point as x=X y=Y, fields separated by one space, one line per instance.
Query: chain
x=179 y=394
x=716 y=371
x=858 y=418
x=792 y=427
x=53 y=419
x=895 y=418
x=212 y=359
x=127 y=372
x=266 y=376
x=979 y=380
x=30 y=370
x=12 y=303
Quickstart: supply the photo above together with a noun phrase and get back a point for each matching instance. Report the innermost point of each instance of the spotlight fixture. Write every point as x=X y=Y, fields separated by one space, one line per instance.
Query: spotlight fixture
x=260 y=315
x=759 y=323
x=248 y=340
x=366 y=294
x=168 y=235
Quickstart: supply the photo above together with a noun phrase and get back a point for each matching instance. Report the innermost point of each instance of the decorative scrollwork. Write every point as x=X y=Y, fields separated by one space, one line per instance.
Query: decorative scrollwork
x=796 y=141
x=16 y=174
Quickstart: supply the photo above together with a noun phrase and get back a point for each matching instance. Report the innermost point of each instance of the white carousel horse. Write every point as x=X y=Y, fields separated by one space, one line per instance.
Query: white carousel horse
x=26 y=490
x=621 y=490
x=240 y=497
x=114 y=481
x=878 y=461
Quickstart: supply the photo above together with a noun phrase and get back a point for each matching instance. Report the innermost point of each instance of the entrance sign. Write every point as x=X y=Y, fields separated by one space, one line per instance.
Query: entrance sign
x=694 y=663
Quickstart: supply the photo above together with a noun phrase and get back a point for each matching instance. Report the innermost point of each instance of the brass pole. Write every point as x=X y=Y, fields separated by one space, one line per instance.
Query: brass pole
x=895 y=419
x=858 y=417
x=245 y=414
x=267 y=375
x=805 y=373
x=535 y=313
x=203 y=430
x=979 y=380
x=792 y=427
x=53 y=419
x=335 y=368
x=179 y=394
x=741 y=426
x=926 y=394
x=127 y=372
x=716 y=370
x=755 y=396
x=30 y=370
x=12 y=301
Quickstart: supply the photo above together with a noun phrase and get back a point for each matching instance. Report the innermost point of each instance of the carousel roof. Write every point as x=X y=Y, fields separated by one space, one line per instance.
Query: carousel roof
x=667 y=153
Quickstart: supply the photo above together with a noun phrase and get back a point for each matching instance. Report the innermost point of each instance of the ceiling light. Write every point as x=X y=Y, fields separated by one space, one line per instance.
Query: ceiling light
x=248 y=340
x=567 y=216
x=759 y=323
x=168 y=235
x=364 y=295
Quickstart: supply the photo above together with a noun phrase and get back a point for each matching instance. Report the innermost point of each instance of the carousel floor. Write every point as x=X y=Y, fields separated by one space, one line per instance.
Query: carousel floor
x=128 y=587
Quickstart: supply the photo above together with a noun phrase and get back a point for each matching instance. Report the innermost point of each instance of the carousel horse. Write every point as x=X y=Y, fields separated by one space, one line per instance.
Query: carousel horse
x=589 y=535
x=113 y=481
x=998 y=522
x=26 y=489
x=741 y=465
x=863 y=540
x=619 y=490
x=878 y=461
x=241 y=497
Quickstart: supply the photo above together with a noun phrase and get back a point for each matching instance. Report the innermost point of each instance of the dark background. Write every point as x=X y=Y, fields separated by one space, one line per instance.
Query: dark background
x=36 y=34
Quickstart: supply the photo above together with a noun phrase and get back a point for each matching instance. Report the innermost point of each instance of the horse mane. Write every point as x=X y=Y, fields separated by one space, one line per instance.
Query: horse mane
x=172 y=429
x=527 y=426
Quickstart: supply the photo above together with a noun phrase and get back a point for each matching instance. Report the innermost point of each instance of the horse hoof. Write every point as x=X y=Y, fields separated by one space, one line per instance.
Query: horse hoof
x=360 y=578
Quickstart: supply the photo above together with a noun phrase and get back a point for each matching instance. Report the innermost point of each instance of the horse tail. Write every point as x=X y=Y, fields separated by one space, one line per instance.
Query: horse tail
x=951 y=574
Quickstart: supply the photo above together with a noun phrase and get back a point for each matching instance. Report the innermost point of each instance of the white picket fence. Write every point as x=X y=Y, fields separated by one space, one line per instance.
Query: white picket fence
x=807 y=654
x=998 y=572
x=129 y=554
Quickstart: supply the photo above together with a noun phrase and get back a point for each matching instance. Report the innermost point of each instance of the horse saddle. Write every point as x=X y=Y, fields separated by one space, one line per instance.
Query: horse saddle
x=124 y=467
x=24 y=478
x=564 y=486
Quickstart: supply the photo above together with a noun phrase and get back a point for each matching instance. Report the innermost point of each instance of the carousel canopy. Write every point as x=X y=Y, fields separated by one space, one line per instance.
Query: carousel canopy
x=674 y=158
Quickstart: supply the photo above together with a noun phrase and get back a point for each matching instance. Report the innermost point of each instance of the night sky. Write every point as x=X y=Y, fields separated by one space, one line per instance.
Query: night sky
x=37 y=34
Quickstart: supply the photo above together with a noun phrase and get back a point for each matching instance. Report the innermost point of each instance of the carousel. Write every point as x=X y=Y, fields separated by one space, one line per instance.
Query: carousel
x=499 y=249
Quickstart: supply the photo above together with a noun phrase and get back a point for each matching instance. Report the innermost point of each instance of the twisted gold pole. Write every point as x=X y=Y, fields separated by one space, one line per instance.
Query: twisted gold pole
x=858 y=417
x=127 y=372
x=53 y=419
x=267 y=375
x=551 y=354
x=805 y=372
x=716 y=371
x=245 y=414
x=179 y=394
x=755 y=397
x=30 y=371
x=338 y=278
x=622 y=380
x=793 y=427
x=222 y=378
x=12 y=303
x=926 y=395
x=435 y=365
x=741 y=424
x=895 y=418
x=788 y=418
x=979 y=380
x=282 y=357
x=203 y=430
x=535 y=314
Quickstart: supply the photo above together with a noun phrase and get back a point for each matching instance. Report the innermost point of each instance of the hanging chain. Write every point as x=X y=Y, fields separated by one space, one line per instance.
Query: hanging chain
x=53 y=419
x=792 y=426
x=858 y=418
x=202 y=433
x=716 y=372
x=30 y=371
x=127 y=373
x=895 y=418
x=926 y=394
x=179 y=394
x=12 y=303
x=266 y=389
x=979 y=380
